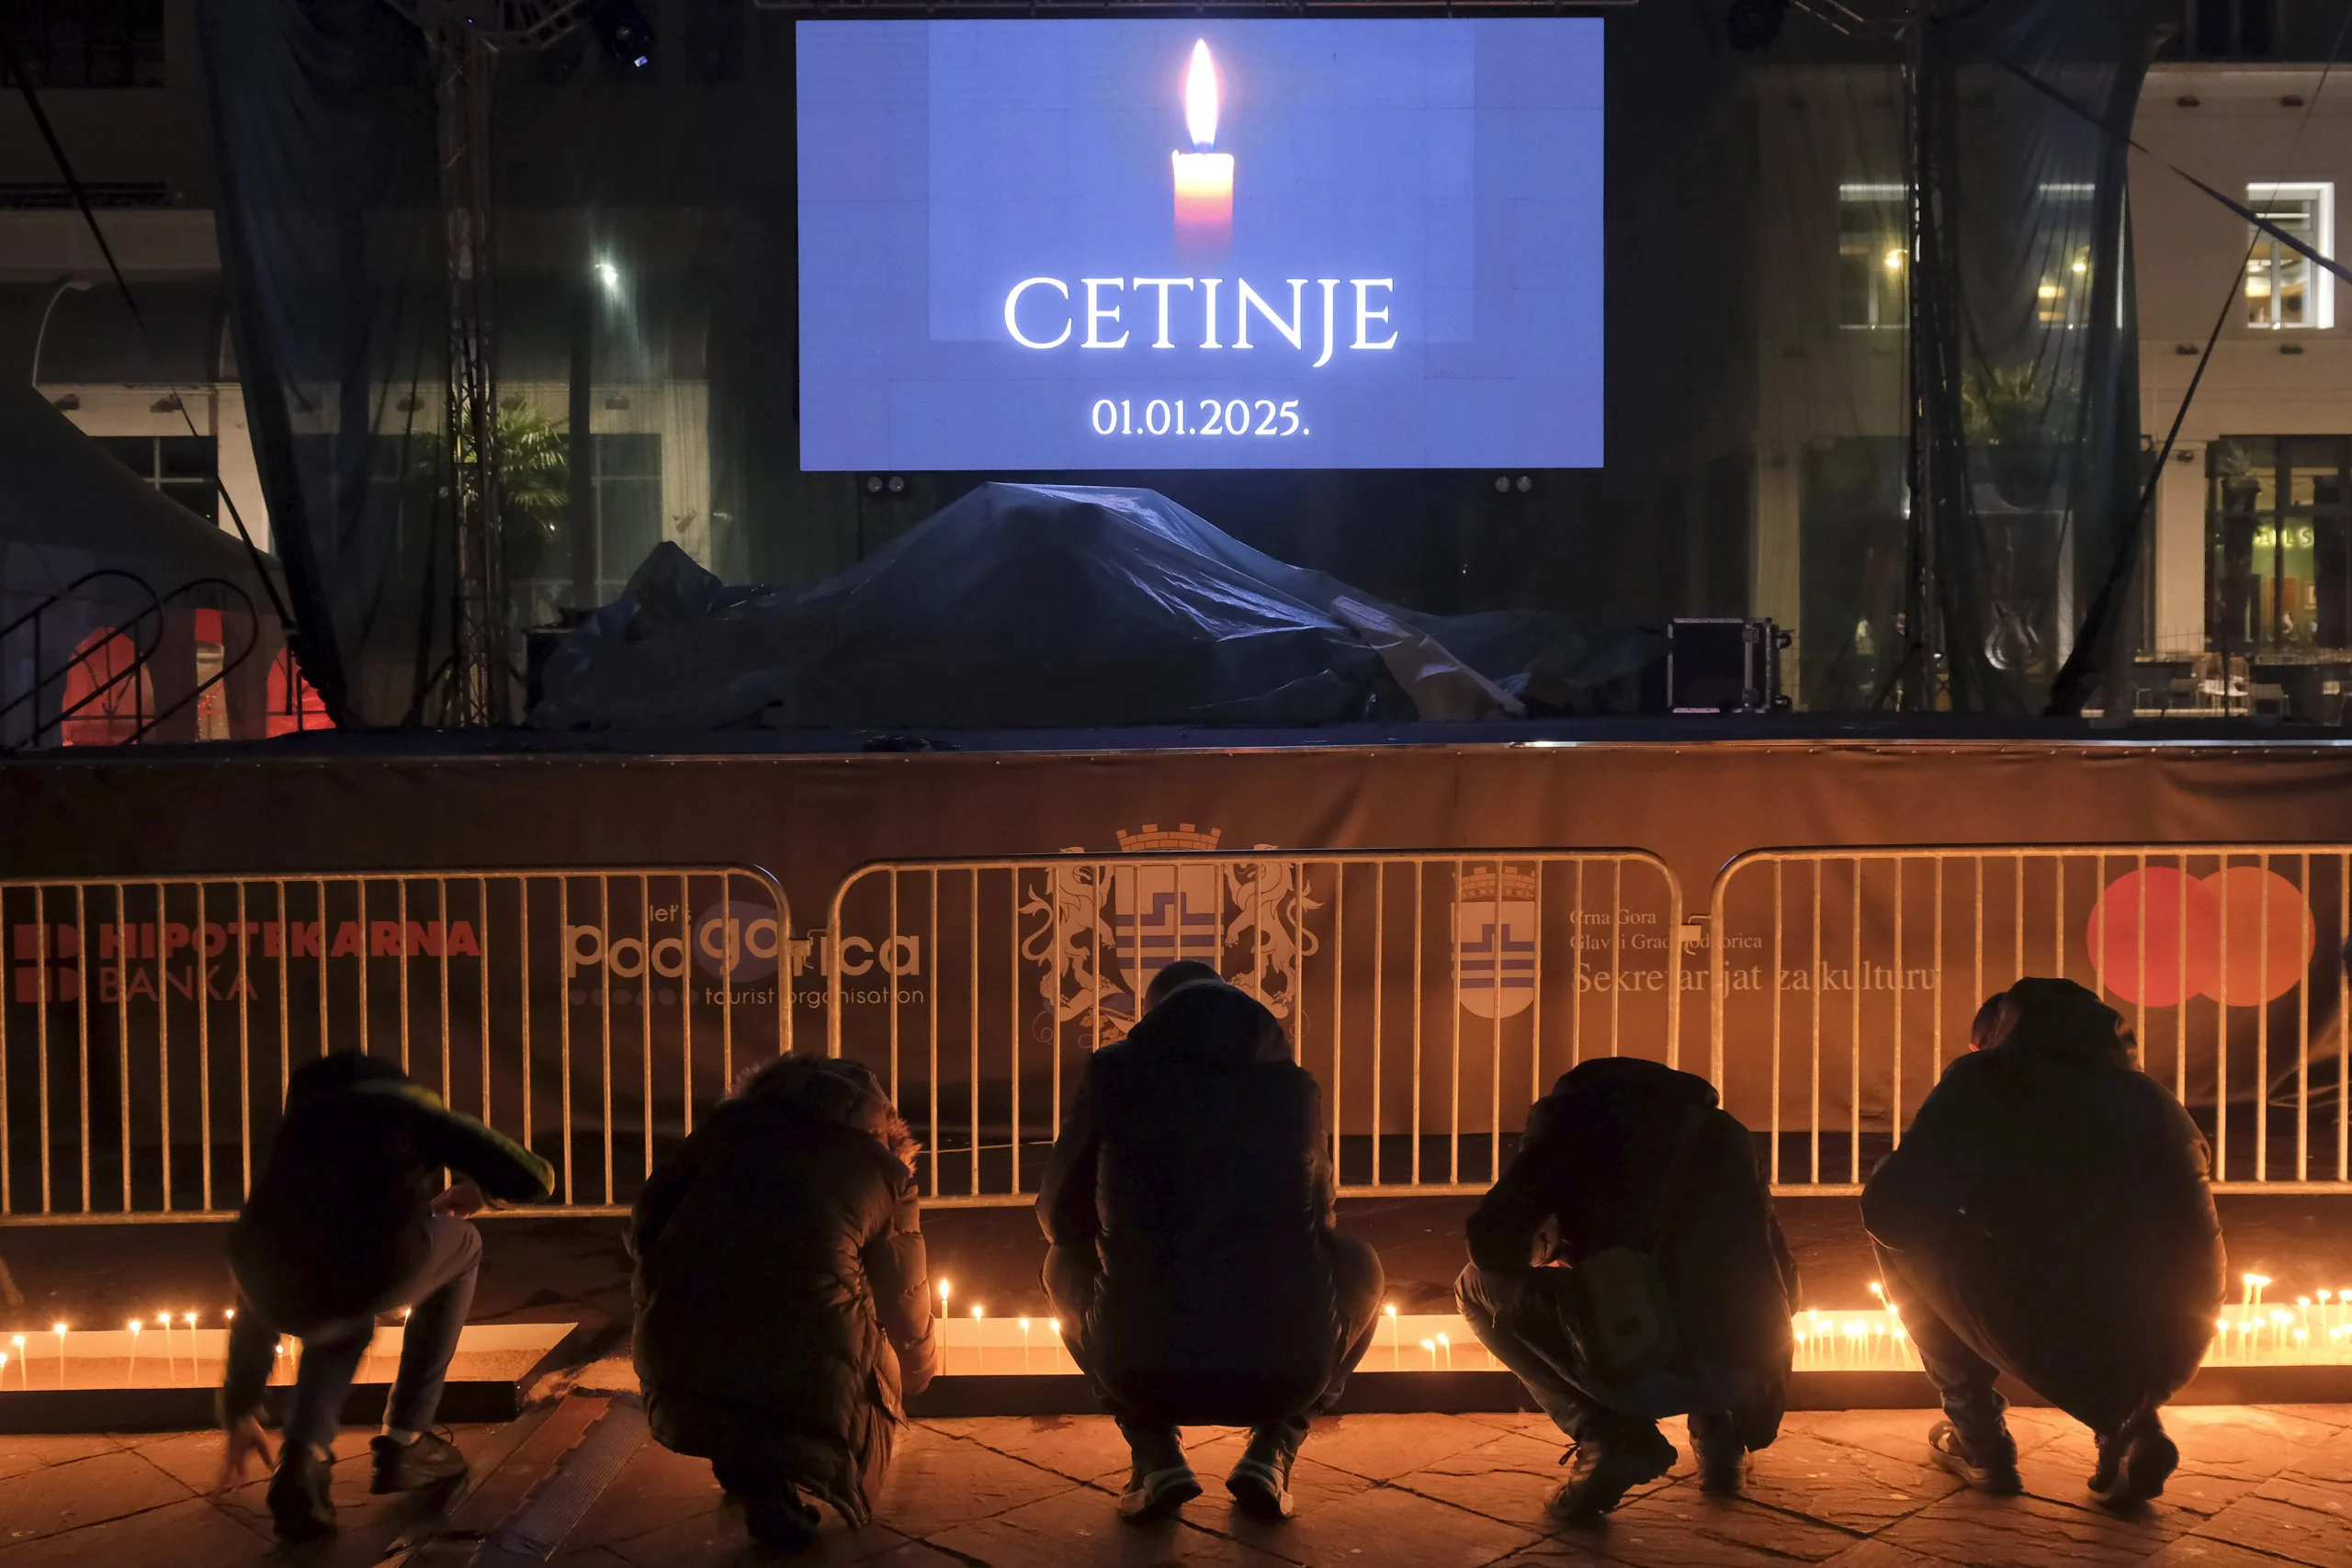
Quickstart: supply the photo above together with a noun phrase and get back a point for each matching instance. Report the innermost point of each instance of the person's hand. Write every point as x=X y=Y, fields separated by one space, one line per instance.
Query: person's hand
x=462 y=1199
x=247 y=1443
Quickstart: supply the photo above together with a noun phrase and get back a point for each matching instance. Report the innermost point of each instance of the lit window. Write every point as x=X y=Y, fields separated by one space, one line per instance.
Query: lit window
x=2282 y=287
x=1873 y=255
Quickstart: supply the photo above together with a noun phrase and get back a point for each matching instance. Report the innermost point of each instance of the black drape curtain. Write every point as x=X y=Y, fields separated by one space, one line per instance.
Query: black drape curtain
x=2026 y=344
x=328 y=225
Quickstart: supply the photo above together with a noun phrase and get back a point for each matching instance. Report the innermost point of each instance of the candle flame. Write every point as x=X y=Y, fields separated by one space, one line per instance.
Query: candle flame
x=1199 y=98
x=58 y=1329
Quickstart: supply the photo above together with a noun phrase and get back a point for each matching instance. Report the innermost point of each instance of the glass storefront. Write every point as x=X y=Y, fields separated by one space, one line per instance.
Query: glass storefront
x=2278 y=544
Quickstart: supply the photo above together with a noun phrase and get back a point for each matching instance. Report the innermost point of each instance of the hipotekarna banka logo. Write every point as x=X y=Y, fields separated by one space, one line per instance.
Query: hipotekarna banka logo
x=1203 y=189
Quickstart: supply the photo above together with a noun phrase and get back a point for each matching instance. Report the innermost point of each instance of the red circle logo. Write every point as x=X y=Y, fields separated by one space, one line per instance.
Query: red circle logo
x=2241 y=936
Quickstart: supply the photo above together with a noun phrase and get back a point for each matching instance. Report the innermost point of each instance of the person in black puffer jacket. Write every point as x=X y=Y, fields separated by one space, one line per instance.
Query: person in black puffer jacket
x=2048 y=1215
x=1194 y=1259
x=1625 y=1153
x=782 y=1297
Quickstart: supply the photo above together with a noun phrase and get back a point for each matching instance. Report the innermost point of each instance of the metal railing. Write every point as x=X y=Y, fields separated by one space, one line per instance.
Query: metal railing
x=1841 y=981
x=148 y=1026
x=1434 y=996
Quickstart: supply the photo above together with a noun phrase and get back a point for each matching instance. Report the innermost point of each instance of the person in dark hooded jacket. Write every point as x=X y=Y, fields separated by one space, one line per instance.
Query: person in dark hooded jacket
x=1194 y=1262
x=2048 y=1215
x=783 y=1302
x=1629 y=1154
x=349 y=1220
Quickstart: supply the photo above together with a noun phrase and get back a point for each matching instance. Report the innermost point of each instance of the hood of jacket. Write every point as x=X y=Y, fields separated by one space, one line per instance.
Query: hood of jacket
x=2059 y=1018
x=1212 y=1022
x=1632 y=1075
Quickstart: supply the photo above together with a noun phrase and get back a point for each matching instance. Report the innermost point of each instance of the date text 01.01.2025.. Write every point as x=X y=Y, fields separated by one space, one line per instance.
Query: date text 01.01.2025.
x=1197 y=416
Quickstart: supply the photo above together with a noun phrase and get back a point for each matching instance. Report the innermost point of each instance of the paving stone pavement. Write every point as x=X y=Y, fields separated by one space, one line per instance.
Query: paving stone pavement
x=2260 y=1487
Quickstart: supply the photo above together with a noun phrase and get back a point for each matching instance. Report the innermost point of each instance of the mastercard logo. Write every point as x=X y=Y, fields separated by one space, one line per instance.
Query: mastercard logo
x=2241 y=937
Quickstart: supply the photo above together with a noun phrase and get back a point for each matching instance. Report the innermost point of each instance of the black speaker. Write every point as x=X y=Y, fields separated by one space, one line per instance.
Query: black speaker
x=1723 y=666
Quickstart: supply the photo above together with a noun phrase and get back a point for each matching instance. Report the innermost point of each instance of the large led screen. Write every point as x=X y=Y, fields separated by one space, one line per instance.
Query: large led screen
x=1143 y=244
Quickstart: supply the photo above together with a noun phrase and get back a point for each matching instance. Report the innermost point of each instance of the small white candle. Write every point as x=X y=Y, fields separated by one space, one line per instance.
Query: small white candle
x=1430 y=1346
x=1024 y=1344
x=1395 y=1350
x=24 y=1362
x=59 y=1330
x=1447 y=1345
x=1204 y=179
x=132 y=1376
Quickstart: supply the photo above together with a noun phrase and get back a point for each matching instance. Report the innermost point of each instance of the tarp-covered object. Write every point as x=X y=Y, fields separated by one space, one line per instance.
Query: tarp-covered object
x=1031 y=605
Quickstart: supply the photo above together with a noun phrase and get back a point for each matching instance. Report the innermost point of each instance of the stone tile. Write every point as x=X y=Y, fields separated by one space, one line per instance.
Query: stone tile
x=1381 y=1448
x=937 y=1485
x=1084 y=1447
x=2247 y=1441
x=2033 y=1532
x=1854 y=1488
x=1882 y=1554
x=1379 y=1525
x=1509 y=1479
x=589 y=1557
x=193 y=1459
x=2203 y=1551
x=2328 y=1463
x=82 y=1492
x=1081 y=1529
x=190 y=1533
x=2290 y=1519
x=20 y=1454
x=716 y=1536
x=1681 y=1526
x=654 y=1490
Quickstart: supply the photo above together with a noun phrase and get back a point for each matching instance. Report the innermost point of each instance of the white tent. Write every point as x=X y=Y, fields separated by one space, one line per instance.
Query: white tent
x=85 y=545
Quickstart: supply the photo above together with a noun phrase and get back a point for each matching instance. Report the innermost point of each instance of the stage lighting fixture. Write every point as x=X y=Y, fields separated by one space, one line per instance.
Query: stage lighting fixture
x=1755 y=23
x=622 y=28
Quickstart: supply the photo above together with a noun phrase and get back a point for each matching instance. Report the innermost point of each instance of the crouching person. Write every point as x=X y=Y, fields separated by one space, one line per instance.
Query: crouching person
x=2048 y=1216
x=1189 y=1202
x=1627 y=1267
x=345 y=1224
x=783 y=1307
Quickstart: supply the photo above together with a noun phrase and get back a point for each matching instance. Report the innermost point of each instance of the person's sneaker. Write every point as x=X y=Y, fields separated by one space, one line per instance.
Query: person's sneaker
x=1601 y=1473
x=298 y=1504
x=1154 y=1495
x=1260 y=1484
x=425 y=1459
x=1722 y=1458
x=2134 y=1464
x=785 y=1523
x=1990 y=1466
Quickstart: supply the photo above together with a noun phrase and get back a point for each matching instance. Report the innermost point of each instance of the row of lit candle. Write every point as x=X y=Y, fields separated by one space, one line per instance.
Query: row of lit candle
x=21 y=1347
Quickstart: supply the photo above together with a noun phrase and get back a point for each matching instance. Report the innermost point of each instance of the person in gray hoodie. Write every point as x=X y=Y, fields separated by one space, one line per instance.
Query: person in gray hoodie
x=2048 y=1216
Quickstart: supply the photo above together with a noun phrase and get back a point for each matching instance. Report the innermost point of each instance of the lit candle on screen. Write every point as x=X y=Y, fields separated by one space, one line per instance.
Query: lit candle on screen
x=1203 y=179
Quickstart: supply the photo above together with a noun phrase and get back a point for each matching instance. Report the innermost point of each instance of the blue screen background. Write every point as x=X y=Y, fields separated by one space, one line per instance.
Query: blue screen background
x=944 y=162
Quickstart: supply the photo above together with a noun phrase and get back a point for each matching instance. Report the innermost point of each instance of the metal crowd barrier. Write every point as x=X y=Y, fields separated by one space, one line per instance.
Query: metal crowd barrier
x=1434 y=996
x=1841 y=981
x=148 y=1026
